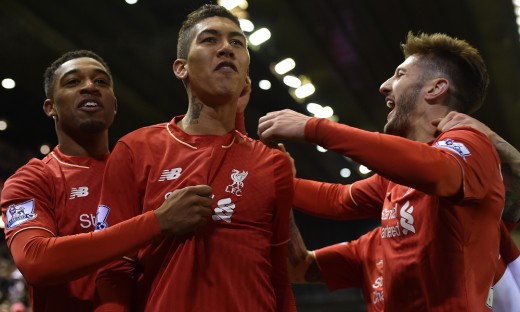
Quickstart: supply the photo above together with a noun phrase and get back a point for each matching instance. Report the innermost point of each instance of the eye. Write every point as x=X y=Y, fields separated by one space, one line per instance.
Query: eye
x=209 y=39
x=237 y=42
x=72 y=82
x=102 y=81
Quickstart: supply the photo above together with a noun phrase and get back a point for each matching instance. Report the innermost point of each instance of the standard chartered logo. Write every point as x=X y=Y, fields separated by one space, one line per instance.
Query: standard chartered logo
x=407 y=218
x=405 y=224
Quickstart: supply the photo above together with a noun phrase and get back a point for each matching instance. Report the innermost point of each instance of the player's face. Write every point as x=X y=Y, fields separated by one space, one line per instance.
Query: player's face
x=218 y=60
x=83 y=97
x=402 y=92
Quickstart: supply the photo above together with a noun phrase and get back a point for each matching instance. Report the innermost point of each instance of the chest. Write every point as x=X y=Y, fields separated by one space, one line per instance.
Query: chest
x=77 y=194
x=243 y=183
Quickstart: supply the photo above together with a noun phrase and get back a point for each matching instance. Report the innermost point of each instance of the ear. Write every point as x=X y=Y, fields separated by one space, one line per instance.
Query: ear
x=436 y=88
x=115 y=106
x=180 y=69
x=48 y=108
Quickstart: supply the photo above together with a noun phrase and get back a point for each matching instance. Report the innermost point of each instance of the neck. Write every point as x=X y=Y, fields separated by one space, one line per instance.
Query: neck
x=423 y=129
x=202 y=119
x=93 y=145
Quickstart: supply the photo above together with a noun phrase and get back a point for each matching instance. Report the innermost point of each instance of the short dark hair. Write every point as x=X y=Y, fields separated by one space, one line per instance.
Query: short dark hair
x=49 y=75
x=202 y=13
x=459 y=61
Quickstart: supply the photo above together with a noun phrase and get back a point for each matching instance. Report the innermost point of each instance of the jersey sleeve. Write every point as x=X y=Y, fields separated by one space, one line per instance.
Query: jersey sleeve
x=28 y=200
x=341 y=265
x=120 y=199
x=363 y=199
x=418 y=165
x=506 y=289
x=115 y=286
x=283 y=197
x=67 y=258
x=475 y=155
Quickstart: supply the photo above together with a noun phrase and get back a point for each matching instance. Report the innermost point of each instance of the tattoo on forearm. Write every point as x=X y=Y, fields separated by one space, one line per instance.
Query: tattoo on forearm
x=510 y=158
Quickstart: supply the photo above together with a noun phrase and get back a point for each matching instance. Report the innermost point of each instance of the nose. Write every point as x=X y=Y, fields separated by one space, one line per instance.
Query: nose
x=89 y=86
x=226 y=50
x=386 y=87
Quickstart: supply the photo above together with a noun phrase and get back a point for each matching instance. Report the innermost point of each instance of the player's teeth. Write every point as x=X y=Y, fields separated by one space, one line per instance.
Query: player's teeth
x=90 y=104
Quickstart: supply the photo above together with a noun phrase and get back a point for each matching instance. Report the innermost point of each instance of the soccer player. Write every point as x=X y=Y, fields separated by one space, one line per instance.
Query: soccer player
x=439 y=196
x=238 y=260
x=359 y=263
x=49 y=205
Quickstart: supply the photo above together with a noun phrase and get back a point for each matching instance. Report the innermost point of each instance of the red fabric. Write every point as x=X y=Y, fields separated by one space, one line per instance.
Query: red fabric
x=508 y=252
x=238 y=265
x=423 y=232
x=355 y=264
x=63 y=192
x=69 y=257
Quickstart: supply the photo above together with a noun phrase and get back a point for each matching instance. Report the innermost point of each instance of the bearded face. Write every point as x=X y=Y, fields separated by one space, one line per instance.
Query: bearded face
x=400 y=121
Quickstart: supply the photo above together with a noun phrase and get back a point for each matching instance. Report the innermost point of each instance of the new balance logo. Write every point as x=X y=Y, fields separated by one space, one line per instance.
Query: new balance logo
x=81 y=191
x=224 y=211
x=171 y=174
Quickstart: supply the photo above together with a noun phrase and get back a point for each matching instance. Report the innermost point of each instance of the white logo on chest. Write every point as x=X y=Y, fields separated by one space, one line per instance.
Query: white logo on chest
x=172 y=174
x=81 y=191
x=407 y=218
x=224 y=211
x=238 y=182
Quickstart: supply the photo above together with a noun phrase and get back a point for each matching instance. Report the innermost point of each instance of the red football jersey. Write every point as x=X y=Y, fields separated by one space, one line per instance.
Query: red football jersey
x=355 y=264
x=506 y=290
x=227 y=265
x=58 y=194
x=439 y=253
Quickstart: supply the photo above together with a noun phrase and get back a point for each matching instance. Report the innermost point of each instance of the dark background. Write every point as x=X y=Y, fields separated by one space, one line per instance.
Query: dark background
x=346 y=47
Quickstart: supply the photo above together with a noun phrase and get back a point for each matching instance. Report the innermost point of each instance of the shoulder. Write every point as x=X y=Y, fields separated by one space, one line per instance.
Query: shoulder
x=268 y=154
x=465 y=141
x=140 y=134
x=33 y=177
x=32 y=169
x=144 y=136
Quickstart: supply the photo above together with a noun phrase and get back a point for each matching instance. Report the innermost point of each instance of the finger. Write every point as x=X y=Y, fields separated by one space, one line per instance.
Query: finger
x=205 y=211
x=202 y=190
x=264 y=126
x=436 y=122
x=265 y=118
x=281 y=147
x=444 y=121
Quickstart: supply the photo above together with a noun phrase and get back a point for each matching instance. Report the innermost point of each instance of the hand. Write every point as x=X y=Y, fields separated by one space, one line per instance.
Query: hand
x=185 y=210
x=243 y=100
x=284 y=124
x=455 y=120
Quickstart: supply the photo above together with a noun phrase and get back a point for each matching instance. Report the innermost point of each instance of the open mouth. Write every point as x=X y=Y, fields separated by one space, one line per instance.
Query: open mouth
x=227 y=66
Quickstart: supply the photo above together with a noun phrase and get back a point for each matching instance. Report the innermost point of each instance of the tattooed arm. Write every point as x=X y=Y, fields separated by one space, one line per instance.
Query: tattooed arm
x=509 y=156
